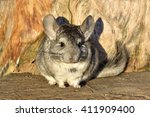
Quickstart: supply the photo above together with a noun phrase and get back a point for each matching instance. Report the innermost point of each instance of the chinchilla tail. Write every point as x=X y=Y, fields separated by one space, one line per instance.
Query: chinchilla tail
x=116 y=65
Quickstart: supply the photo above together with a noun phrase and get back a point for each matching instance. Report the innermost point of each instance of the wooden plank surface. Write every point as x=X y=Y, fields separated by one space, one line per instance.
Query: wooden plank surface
x=29 y=86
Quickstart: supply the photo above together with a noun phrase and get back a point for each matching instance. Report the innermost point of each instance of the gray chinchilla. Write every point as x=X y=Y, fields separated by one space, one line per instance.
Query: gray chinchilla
x=68 y=54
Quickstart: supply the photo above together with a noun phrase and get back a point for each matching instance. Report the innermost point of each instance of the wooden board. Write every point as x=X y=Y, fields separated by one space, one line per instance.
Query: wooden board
x=28 y=86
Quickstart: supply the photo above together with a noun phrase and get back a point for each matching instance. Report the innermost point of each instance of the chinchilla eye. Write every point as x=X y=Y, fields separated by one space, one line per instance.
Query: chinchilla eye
x=80 y=44
x=62 y=44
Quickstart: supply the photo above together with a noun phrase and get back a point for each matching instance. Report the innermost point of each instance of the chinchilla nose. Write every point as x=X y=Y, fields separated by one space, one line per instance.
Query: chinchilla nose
x=74 y=59
x=71 y=58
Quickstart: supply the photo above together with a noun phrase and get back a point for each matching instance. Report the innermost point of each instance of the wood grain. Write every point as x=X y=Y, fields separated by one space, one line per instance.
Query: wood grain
x=29 y=86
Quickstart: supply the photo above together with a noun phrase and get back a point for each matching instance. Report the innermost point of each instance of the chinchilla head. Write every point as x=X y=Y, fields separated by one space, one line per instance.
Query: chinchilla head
x=67 y=41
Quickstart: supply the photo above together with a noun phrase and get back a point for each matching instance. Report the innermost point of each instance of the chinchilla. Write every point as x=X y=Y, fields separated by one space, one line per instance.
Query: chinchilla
x=69 y=54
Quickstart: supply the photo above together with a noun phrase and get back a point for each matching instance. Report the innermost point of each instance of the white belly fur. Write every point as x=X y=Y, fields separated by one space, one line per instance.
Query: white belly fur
x=63 y=73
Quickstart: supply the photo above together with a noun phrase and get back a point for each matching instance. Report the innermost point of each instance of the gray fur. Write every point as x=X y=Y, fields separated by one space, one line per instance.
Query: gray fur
x=68 y=54
x=116 y=65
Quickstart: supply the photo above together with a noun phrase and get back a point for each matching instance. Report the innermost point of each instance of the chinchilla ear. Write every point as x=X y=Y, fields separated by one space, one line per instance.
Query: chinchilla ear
x=50 y=26
x=87 y=27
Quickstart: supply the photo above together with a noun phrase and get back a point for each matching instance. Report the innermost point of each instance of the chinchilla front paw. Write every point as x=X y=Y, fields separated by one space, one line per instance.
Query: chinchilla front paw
x=75 y=83
x=50 y=79
x=52 y=82
x=76 y=86
x=61 y=84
